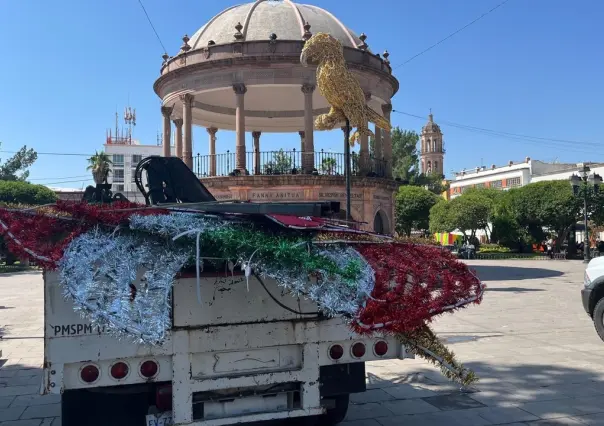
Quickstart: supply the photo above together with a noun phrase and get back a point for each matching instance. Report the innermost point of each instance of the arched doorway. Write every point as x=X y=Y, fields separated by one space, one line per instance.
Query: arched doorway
x=381 y=224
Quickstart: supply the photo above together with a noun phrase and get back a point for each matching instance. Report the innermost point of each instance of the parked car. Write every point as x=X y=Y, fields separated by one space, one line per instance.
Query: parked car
x=592 y=293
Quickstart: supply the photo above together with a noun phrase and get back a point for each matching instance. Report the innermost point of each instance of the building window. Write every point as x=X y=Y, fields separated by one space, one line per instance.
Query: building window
x=513 y=182
x=119 y=188
x=464 y=189
x=479 y=185
x=496 y=184
x=136 y=158
x=118 y=160
x=133 y=176
x=118 y=175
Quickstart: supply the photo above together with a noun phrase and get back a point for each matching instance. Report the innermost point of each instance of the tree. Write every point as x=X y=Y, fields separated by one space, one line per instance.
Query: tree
x=15 y=168
x=100 y=165
x=405 y=158
x=466 y=213
x=432 y=182
x=542 y=206
x=16 y=192
x=329 y=165
x=412 y=209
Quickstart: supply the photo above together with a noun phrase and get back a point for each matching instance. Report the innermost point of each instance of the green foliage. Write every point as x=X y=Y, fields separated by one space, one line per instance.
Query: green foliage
x=468 y=212
x=100 y=165
x=329 y=165
x=433 y=182
x=405 y=158
x=412 y=209
x=493 y=248
x=15 y=168
x=280 y=164
x=16 y=192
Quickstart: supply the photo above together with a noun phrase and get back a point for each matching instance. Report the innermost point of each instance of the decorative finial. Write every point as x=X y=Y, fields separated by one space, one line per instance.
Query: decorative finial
x=363 y=45
x=165 y=57
x=430 y=116
x=307 y=34
x=272 y=37
x=238 y=35
x=386 y=55
x=185 y=44
x=211 y=42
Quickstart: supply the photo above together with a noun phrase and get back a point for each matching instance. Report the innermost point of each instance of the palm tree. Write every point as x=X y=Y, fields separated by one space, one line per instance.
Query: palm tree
x=100 y=164
x=328 y=165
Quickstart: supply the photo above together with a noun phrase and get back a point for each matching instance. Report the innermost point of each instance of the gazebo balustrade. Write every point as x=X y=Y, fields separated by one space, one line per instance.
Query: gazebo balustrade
x=294 y=162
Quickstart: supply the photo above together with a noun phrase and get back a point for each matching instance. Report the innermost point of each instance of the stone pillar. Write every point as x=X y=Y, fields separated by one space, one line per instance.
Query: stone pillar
x=256 y=137
x=240 y=90
x=212 y=149
x=166 y=111
x=364 y=149
x=308 y=156
x=378 y=153
x=178 y=138
x=187 y=116
x=387 y=146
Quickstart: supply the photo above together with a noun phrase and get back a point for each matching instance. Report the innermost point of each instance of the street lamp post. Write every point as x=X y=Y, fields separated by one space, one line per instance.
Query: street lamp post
x=584 y=180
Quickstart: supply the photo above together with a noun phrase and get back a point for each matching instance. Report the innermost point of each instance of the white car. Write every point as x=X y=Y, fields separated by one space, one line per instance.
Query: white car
x=592 y=293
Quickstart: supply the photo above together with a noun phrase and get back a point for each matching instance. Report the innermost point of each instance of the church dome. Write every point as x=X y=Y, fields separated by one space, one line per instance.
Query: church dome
x=257 y=21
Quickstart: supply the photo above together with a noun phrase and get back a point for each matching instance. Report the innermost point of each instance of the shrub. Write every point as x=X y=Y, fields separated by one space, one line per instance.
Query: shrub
x=15 y=192
x=494 y=248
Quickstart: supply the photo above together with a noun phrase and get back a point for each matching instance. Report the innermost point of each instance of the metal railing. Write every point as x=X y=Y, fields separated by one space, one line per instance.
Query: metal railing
x=287 y=163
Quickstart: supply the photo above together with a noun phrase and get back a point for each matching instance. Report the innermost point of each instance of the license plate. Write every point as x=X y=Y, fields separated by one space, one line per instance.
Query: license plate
x=162 y=419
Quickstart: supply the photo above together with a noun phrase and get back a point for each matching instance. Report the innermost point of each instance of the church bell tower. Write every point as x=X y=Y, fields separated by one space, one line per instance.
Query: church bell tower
x=432 y=148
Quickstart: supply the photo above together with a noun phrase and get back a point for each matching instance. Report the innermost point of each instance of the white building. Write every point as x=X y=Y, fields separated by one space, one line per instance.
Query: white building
x=126 y=153
x=514 y=174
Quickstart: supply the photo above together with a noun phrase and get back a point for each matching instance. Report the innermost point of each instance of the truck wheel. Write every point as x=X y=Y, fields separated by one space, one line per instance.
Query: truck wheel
x=598 y=317
x=335 y=415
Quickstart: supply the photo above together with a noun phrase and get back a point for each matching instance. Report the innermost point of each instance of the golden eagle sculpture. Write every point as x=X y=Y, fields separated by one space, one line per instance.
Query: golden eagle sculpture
x=340 y=87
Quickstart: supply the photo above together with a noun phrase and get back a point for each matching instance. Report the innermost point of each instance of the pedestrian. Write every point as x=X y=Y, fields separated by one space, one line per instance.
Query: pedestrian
x=550 y=248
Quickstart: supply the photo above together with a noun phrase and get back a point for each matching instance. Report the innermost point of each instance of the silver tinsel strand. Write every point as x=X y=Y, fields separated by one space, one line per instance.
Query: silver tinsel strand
x=98 y=268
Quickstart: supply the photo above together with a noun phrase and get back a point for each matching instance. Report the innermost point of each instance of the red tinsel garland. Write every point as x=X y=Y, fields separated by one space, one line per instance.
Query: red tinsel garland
x=413 y=283
x=48 y=231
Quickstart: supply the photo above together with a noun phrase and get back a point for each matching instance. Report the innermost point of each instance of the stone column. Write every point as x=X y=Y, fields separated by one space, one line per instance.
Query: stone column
x=178 y=138
x=212 y=149
x=166 y=111
x=364 y=150
x=308 y=156
x=378 y=153
x=256 y=137
x=387 y=146
x=240 y=90
x=187 y=115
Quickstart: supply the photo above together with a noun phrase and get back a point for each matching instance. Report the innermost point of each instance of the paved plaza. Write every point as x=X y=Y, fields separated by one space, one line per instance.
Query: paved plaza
x=536 y=351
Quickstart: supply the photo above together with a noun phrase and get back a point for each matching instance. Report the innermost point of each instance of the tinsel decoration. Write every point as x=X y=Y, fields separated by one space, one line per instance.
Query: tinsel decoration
x=118 y=264
x=424 y=343
x=98 y=271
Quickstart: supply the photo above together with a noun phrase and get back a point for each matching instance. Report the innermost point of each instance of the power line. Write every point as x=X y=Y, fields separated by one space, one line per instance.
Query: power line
x=51 y=153
x=66 y=181
x=508 y=134
x=452 y=34
x=153 y=26
x=61 y=178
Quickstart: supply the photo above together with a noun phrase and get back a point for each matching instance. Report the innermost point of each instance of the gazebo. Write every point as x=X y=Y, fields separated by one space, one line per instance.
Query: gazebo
x=241 y=71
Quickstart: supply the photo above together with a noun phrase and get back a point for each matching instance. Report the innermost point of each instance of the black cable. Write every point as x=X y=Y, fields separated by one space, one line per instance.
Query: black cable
x=152 y=26
x=451 y=35
x=281 y=304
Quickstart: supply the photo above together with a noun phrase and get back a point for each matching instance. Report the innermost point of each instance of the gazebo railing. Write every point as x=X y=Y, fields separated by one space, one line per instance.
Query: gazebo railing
x=287 y=163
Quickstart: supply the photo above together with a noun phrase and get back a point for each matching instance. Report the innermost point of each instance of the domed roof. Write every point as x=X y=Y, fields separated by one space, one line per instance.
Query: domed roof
x=431 y=126
x=262 y=18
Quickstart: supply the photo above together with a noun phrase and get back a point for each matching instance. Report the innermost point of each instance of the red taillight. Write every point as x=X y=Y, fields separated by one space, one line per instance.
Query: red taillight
x=89 y=373
x=149 y=369
x=381 y=348
x=336 y=352
x=358 y=350
x=119 y=370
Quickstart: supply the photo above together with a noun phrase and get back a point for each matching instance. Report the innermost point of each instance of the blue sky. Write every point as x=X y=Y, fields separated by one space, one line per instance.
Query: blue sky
x=532 y=67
